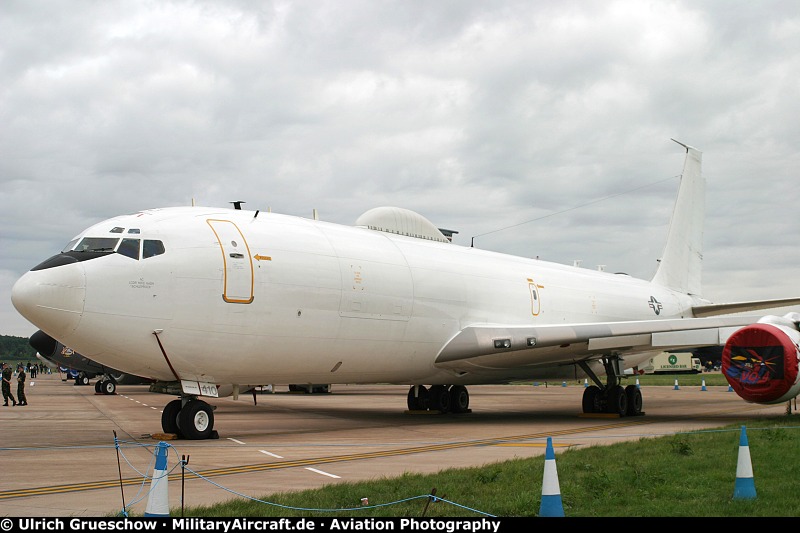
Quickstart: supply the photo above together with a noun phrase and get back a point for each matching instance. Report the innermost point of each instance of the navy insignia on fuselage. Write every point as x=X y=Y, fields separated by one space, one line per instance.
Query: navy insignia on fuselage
x=655 y=305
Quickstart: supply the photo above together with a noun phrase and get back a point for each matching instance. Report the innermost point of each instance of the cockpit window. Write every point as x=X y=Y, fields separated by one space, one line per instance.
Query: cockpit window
x=151 y=248
x=117 y=230
x=134 y=231
x=97 y=244
x=70 y=245
x=129 y=248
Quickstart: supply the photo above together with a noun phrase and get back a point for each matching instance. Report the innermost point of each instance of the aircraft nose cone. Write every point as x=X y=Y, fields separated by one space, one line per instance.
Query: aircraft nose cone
x=51 y=299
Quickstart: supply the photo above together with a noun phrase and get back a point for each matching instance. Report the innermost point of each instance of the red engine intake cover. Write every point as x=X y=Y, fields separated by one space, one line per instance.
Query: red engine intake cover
x=760 y=363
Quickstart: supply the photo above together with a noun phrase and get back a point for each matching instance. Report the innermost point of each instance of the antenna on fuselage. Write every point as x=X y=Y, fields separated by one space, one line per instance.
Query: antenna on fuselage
x=238 y=204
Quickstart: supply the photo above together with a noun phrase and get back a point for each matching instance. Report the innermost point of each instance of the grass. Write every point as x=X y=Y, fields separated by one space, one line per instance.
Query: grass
x=684 y=475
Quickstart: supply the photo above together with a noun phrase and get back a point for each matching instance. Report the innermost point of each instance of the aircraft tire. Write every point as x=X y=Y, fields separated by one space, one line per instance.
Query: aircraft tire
x=82 y=379
x=617 y=400
x=108 y=386
x=591 y=399
x=196 y=420
x=440 y=398
x=634 y=395
x=98 y=387
x=419 y=402
x=459 y=399
x=169 y=417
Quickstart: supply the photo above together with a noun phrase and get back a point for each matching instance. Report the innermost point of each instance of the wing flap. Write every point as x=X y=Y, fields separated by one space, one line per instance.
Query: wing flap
x=619 y=341
x=691 y=337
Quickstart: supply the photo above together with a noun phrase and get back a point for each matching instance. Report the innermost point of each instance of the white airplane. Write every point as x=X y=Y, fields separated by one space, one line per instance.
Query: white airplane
x=213 y=299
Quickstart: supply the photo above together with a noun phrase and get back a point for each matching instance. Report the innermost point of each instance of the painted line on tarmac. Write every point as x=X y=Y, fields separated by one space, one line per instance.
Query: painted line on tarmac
x=261 y=467
x=323 y=473
x=265 y=452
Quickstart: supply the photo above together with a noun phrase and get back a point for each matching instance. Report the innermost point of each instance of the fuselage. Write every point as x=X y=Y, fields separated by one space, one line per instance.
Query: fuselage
x=233 y=296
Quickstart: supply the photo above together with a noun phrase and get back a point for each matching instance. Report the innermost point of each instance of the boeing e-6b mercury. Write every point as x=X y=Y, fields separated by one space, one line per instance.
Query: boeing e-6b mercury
x=217 y=299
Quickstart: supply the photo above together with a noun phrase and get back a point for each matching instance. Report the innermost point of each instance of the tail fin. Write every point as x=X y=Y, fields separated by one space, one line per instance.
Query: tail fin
x=681 y=264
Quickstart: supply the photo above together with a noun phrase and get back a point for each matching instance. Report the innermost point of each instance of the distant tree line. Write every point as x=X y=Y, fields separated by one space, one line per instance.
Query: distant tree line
x=16 y=348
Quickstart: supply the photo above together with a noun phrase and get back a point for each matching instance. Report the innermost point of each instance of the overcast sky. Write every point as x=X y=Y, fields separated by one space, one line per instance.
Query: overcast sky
x=540 y=128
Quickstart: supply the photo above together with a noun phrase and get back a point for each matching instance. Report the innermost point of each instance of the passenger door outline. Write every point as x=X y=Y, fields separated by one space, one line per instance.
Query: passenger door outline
x=237 y=263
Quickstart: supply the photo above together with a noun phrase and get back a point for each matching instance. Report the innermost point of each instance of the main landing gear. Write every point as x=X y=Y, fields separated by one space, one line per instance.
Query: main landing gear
x=442 y=398
x=106 y=385
x=189 y=418
x=611 y=397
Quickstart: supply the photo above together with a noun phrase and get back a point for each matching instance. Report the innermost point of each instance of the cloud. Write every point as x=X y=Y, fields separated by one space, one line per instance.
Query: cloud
x=481 y=116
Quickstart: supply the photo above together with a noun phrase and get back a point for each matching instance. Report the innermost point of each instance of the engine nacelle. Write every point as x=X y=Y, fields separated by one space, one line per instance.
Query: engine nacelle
x=760 y=361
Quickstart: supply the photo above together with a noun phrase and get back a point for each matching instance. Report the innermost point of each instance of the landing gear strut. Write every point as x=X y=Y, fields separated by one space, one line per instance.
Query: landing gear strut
x=442 y=398
x=611 y=397
x=189 y=418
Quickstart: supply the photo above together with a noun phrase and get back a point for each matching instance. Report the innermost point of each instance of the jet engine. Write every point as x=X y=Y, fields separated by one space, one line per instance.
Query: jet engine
x=760 y=361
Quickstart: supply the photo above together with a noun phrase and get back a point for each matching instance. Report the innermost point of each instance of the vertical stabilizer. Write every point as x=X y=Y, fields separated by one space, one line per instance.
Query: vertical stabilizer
x=681 y=263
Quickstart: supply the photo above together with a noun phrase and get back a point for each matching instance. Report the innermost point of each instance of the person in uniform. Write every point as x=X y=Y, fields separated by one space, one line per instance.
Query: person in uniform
x=21 y=386
x=7 y=385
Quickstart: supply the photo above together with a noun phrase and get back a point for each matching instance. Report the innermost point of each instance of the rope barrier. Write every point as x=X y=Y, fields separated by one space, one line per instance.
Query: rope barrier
x=182 y=464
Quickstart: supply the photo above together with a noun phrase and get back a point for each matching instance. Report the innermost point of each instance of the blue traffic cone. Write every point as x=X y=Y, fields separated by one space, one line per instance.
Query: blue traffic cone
x=730 y=388
x=585 y=382
x=637 y=384
x=703 y=387
x=563 y=383
x=158 y=499
x=676 y=385
x=745 y=488
x=551 y=492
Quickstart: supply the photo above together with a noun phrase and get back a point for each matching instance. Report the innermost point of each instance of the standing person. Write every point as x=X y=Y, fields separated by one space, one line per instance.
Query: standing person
x=21 y=386
x=7 y=385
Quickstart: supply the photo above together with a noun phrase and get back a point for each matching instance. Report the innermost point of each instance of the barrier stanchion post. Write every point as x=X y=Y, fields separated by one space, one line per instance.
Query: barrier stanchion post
x=551 y=504
x=184 y=462
x=119 y=469
x=431 y=498
x=158 y=499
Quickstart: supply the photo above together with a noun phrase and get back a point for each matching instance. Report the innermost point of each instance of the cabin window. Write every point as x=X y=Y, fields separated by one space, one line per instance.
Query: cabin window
x=152 y=248
x=129 y=248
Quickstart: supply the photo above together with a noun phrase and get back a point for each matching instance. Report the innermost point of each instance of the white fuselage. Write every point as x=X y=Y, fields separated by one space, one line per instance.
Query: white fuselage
x=246 y=299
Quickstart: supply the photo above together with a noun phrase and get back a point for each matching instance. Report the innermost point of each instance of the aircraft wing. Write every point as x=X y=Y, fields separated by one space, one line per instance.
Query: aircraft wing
x=499 y=346
x=738 y=307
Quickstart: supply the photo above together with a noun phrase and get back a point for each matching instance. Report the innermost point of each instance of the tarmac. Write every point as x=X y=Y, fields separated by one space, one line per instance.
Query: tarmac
x=75 y=453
